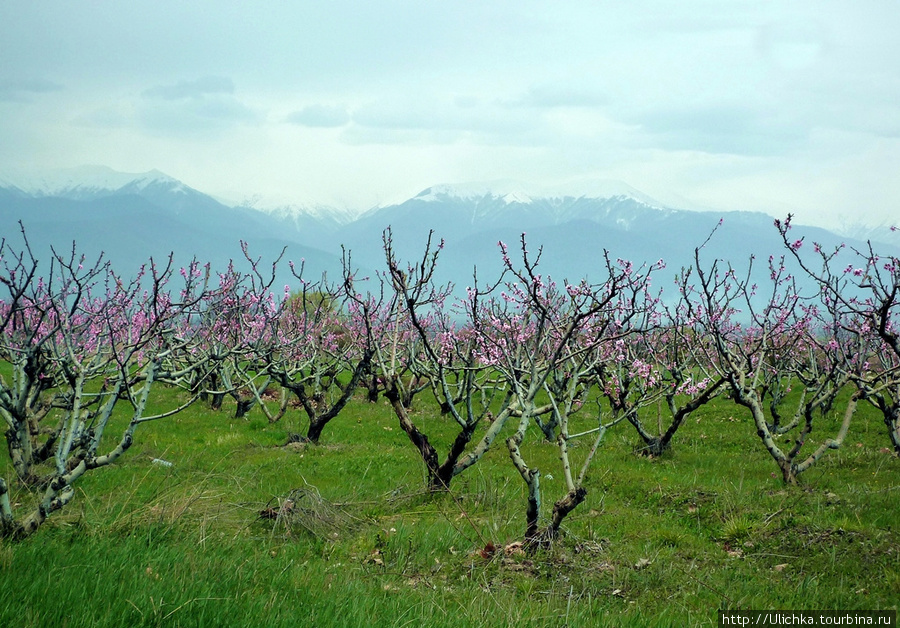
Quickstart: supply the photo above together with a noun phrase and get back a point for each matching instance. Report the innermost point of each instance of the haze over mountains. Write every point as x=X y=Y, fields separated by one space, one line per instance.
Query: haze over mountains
x=132 y=217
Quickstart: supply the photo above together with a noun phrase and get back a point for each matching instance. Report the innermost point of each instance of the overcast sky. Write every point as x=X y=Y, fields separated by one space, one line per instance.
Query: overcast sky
x=760 y=105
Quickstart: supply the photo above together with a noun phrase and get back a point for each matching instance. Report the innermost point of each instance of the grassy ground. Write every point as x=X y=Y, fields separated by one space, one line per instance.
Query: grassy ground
x=207 y=542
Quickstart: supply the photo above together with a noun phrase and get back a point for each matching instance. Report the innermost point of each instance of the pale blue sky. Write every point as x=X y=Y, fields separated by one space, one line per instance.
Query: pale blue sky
x=770 y=106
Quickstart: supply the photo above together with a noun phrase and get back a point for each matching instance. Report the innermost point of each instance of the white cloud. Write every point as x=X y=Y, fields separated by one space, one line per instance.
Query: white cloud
x=742 y=104
x=196 y=109
x=197 y=88
x=326 y=116
x=549 y=95
x=24 y=90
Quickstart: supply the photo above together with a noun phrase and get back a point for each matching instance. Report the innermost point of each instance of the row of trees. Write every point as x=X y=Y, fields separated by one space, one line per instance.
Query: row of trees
x=520 y=352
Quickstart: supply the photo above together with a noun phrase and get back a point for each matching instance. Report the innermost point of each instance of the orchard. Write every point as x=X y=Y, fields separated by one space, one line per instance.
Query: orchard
x=522 y=350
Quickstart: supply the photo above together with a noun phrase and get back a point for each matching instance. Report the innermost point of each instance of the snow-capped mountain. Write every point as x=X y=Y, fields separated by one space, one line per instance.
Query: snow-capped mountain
x=312 y=224
x=502 y=202
x=87 y=182
x=456 y=211
x=287 y=210
x=511 y=191
x=572 y=228
x=887 y=233
x=132 y=216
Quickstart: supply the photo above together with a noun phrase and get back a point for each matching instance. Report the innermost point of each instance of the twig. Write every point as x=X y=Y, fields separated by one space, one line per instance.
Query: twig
x=772 y=516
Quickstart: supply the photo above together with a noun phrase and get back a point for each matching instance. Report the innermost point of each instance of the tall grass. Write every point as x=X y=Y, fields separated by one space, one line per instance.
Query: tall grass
x=210 y=541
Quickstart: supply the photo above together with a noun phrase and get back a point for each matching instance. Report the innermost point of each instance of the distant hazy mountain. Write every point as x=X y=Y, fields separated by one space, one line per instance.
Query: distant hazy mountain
x=134 y=216
x=887 y=233
x=81 y=182
x=473 y=221
x=573 y=232
x=313 y=224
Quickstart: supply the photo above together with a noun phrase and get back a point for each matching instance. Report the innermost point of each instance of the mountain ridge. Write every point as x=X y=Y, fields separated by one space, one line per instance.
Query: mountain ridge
x=132 y=216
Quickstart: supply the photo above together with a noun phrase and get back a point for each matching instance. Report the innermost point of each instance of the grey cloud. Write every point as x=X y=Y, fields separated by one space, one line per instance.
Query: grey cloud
x=24 y=89
x=551 y=96
x=206 y=105
x=839 y=104
x=196 y=117
x=191 y=117
x=355 y=135
x=721 y=130
x=225 y=109
x=440 y=116
x=320 y=116
x=105 y=117
x=198 y=88
x=493 y=122
x=420 y=134
x=391 y=118
x=793 y=45
x=692 y=19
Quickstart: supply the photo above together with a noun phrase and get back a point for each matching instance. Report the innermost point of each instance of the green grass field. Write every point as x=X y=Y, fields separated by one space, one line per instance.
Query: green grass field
x=664 y=542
